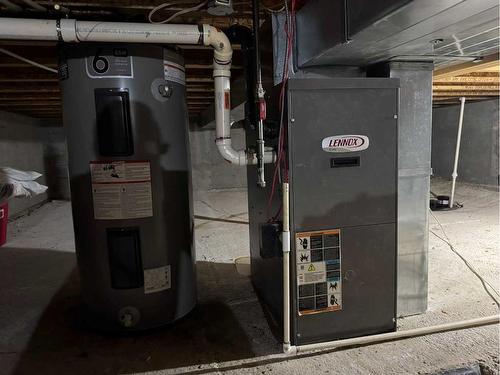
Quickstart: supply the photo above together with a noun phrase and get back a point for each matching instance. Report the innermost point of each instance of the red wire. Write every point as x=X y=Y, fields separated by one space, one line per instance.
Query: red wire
x=281 y=159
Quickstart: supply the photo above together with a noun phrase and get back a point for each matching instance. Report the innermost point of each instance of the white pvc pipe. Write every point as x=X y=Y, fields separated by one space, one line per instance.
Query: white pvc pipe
x=494 y=319
x=286 y=268
x=27 y=29
x=93 y=31
x=454 y=175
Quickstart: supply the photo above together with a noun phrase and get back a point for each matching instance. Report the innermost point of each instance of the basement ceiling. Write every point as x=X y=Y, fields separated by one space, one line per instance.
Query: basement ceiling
x=34 y=92
x=472 y=80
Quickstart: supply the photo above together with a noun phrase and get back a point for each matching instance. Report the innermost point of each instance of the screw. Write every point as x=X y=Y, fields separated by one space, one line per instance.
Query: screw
x=292 y=120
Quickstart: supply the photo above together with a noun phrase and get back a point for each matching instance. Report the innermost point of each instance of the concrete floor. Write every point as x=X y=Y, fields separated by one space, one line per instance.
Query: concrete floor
x=41 y=329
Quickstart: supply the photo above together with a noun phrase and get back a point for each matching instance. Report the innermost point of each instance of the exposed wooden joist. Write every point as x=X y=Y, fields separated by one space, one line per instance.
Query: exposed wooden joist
x=465 y=93
x=43 y=103
x=468 y=87
x=465 y=68
x=13 y=90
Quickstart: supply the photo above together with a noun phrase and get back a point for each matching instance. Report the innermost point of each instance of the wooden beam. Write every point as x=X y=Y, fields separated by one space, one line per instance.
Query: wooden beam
x=199 y=89
x=16 y=97
x=206 y=66
x=466 y=87
x=468 y=79
x=469 y=67
x=457 y=100
x=465 y=93
x=42 y=103
x=29 y=90
x=27 y=79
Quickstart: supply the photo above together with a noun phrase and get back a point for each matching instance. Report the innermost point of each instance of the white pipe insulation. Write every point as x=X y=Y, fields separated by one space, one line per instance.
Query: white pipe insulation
x=68 y=30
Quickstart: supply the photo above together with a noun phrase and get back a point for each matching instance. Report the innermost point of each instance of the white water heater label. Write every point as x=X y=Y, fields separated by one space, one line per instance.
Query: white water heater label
x=174 y=72
x=318 y=261
x=157 y=279
x=121 y=189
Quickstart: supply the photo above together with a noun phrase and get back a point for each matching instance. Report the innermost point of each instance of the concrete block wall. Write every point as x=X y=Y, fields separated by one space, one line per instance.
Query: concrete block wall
x=478 y=162
x=210 y=170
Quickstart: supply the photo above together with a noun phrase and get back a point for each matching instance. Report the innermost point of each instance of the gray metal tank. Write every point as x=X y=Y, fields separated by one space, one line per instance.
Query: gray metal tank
x=125 y=114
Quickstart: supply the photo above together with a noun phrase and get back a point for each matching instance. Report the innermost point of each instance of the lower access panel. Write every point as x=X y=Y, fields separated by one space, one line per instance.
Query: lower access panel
x=345 y=282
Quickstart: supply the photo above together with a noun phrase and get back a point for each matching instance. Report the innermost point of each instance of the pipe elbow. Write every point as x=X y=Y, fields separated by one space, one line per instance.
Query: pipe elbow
x=223 y=52
x=229 y=153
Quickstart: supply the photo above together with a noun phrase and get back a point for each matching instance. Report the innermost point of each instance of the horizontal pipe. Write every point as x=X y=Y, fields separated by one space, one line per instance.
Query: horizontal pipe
x=92 y=31
x=493 y=319
x=27 y=29
x=68 y=30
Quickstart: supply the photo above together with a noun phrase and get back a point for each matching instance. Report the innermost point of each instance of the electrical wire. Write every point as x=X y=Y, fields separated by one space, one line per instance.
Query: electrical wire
x=447 y=240
x=282 y=162
x=181 y=12
x=24 y=59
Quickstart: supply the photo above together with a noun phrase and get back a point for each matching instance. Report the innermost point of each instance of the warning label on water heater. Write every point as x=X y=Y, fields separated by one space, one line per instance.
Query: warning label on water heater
x=318 y=259
x=157 y=279
x=174 y=72
x=121 y=189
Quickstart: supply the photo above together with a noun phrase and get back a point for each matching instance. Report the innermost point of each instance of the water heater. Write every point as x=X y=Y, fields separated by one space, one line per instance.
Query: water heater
x=125 y=115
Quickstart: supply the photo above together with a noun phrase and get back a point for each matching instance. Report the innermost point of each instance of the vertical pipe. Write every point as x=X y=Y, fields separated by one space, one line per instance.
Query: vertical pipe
x=286 y=268
x=259 y=92
x=454 y=175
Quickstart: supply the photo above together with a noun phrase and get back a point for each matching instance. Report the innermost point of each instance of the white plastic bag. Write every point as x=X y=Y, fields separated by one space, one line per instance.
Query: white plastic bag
x=20 y=184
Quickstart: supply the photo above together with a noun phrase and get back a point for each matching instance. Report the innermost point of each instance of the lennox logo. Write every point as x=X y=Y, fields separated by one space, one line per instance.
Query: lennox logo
x=345 y=143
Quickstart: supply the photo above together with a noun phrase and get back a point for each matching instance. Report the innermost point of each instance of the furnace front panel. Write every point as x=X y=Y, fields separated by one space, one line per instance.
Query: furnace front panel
x=343 y=183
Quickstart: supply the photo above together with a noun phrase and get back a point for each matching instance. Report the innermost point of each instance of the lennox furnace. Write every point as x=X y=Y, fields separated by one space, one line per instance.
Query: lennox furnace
x=342 y=161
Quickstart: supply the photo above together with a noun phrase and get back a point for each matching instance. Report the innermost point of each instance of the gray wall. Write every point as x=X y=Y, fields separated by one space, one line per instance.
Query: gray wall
x=22 y=147
x=210 y=170
x=30 y=144
x=478 y=161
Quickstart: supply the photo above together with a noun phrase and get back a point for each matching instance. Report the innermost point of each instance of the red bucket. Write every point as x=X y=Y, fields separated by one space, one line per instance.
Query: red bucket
x=4 y=217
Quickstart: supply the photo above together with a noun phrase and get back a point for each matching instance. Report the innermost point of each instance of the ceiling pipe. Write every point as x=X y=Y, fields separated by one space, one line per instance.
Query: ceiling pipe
x=73 y=31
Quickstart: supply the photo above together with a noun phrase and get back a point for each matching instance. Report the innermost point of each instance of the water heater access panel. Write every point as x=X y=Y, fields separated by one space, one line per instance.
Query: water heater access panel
x=343 y=183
